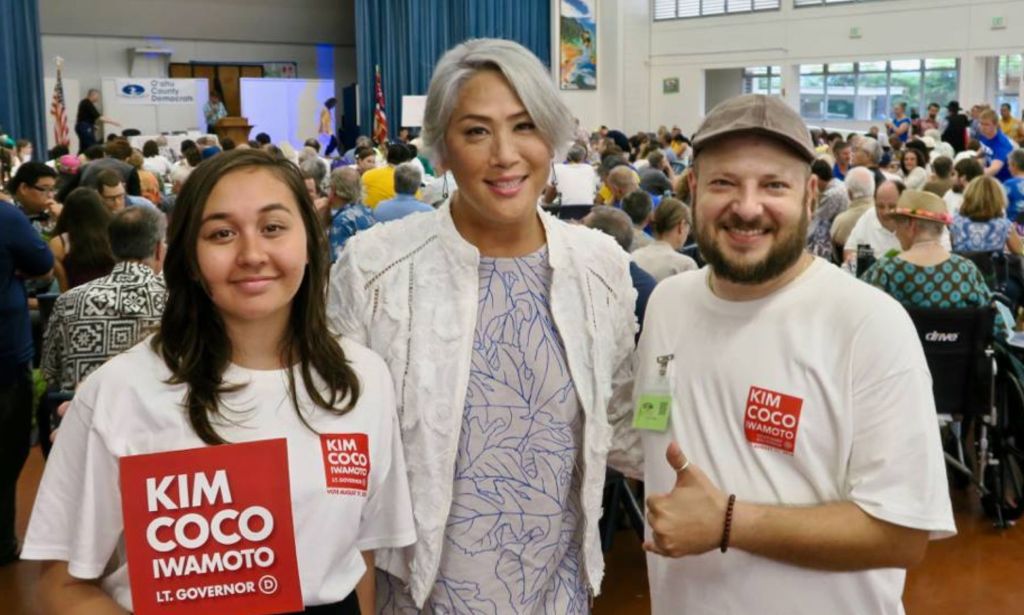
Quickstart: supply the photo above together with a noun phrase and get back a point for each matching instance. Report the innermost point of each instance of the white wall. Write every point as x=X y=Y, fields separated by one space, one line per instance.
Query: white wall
x=722 y=84
x=890 y=29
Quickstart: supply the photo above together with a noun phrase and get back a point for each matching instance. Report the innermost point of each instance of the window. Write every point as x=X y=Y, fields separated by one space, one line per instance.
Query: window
x=799 y=3
x=1008 y=76
x=681 y=9
x=762 y=80
x=867 y=91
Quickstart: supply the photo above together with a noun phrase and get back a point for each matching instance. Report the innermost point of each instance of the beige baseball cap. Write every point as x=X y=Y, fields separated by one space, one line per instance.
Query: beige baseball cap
x=756 y=114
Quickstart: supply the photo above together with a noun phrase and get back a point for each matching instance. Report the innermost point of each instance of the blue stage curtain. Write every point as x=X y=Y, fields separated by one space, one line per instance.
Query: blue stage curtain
x=23 y=105
x=407 y=37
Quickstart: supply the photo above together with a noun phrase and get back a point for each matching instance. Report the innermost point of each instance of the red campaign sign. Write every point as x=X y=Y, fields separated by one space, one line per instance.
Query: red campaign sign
x=209 y=530
x=771 y=419
x=346 y=462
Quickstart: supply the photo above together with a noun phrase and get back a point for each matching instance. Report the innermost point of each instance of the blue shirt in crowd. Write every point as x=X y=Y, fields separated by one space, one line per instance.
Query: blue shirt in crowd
x=345 y=223
x=896 y=123
x=1014 y=197
x=837 y=173
x=399 y=207
x=23 y=253
x=997 y=148
x=644 y=284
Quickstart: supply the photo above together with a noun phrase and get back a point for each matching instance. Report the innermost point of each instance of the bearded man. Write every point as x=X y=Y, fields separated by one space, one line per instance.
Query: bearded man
x=813 y=474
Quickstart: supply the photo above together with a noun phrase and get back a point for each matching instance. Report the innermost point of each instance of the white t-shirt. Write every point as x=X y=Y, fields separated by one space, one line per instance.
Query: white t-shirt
x=577 y=182
x=866 y=431
x=953 y=201
x=869 y=230
x=125 y=408
x=158 y=165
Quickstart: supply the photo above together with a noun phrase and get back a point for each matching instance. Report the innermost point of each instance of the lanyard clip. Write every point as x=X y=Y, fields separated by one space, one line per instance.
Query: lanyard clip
x=663 y=363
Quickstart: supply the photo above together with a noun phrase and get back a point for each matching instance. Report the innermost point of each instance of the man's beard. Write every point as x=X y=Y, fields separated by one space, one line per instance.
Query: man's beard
x=787 y=249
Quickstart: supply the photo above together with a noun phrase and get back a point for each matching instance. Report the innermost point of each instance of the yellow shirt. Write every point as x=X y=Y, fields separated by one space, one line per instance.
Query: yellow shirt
x=378 y=185
x=606 y=193
x=1010 y=127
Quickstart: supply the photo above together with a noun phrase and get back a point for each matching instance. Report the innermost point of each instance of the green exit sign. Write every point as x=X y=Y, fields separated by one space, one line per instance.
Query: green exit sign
x=998 y=22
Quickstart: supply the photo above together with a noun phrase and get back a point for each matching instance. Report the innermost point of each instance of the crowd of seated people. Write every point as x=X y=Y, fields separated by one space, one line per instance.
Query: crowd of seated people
x=967 y=160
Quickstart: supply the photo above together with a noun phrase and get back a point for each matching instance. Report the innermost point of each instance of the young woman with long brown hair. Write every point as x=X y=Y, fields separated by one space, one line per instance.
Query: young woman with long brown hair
x=243 y=354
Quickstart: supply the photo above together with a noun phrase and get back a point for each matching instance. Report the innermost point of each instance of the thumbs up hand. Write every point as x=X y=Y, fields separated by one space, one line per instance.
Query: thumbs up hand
x=689 y=519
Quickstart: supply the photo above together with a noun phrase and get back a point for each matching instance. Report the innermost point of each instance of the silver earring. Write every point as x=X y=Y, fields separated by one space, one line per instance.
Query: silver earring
x=444 y=187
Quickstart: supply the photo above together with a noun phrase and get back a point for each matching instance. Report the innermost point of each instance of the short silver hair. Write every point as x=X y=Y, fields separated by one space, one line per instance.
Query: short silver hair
x=527 y=77
x=346 y=185
x=872 y=147
x=577 y=153
x=860 y=183
x=407 y=178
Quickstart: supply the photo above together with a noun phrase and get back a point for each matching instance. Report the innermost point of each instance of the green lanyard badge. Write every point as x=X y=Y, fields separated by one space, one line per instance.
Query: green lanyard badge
x=654 y=405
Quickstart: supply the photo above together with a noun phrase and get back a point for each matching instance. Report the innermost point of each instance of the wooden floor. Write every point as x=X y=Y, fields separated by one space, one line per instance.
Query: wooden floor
x=979 y=572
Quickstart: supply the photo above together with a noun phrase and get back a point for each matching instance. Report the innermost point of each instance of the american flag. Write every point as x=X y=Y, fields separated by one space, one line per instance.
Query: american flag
x=380 y=119
x=57 y=110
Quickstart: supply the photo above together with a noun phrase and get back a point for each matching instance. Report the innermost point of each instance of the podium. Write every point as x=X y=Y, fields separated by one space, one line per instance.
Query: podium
x=234 y=128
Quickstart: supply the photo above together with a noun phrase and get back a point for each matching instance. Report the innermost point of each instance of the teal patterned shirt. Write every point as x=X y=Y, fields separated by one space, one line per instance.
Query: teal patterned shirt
x=953 y=283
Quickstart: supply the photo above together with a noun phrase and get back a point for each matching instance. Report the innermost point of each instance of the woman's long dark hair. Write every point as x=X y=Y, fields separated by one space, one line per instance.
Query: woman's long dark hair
x=85 y=219
x=193 y=340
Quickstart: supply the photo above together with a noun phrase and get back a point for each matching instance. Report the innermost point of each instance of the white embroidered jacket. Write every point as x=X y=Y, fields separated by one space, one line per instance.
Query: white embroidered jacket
x=408 y=290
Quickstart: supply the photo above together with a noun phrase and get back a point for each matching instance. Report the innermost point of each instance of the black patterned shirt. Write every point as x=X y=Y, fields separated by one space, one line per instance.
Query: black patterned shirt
x=93 y=322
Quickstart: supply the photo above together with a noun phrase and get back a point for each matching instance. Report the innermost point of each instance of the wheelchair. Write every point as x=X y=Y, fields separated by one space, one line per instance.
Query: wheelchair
x=979 y=397
x=1003 y=273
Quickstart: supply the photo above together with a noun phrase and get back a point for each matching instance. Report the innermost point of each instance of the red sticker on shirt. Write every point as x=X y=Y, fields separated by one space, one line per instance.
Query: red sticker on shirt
x=346 y=462
x=771 y=419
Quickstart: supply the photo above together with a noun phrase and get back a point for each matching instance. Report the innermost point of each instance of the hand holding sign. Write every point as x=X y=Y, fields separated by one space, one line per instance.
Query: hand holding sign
x=688 y=519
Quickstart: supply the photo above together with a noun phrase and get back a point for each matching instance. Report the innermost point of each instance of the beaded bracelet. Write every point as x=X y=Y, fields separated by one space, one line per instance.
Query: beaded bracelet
x=728 y=523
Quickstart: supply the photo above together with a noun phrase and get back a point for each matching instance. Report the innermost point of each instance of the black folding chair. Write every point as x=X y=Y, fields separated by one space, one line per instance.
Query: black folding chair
x=619 y=499
x=569 y=211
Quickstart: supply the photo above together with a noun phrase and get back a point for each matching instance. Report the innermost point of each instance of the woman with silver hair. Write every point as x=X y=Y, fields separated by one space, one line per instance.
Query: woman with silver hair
x=507 y=332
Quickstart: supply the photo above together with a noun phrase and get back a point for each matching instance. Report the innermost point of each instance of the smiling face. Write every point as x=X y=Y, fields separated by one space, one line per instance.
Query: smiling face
x=494 y=150
x=752 y=206
x=251 y=249
x=910 y=160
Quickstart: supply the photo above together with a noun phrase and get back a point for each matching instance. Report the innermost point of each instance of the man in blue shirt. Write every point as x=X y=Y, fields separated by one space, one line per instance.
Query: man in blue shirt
x=995 y=145
x=1015 y=186
x=844 y=159
x=348 y=215
x=23 y=254
x=407 y=182
x=899 y=125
